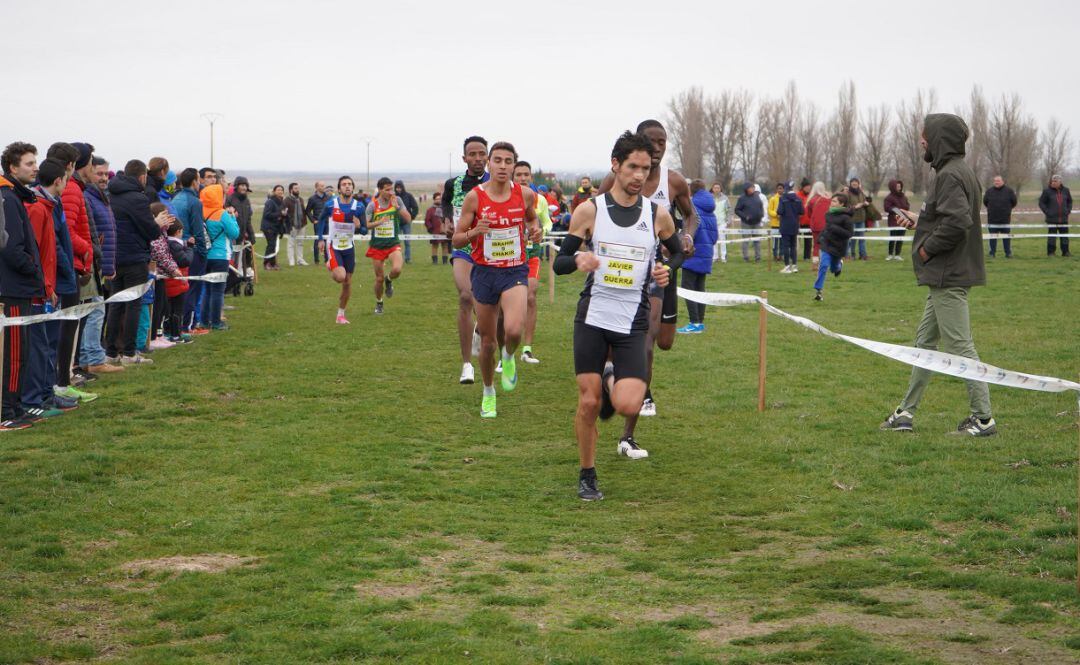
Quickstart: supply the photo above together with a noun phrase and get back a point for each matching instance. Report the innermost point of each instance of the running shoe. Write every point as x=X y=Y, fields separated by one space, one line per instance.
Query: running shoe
x=509 y=374
x=686 y=330
x=972 y=426
x=341 y=319
x=818 y=296
x=587 y=489
x=389 y=286
x=219 y=327
x=160 y=343
x=86 y=375
x=467 y=375
x=648 y=408
x=21 y=422
x=899 y=421
x=61 y=402
x=378 y=308
x=629 y=448
x=607 y=409
x=528 y=357
x=200 y=330
x=487 y=407
x=137 y=359
x=74 y=393
x=39 y=413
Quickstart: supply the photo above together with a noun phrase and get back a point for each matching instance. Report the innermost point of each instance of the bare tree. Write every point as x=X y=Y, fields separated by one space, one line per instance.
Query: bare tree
x=842 y=135
x=780 y=119
x=1012 y=141
x=873 y=148
x=905 y=145
x=977 y=116
x=686 y=130
x=750 y=139
x=722 y=135
x=1056 y=146
x=810 y=140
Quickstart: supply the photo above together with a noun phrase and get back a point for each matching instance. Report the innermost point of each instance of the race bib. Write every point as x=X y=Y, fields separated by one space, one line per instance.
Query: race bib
x=457 y=214
x=341 y=235
x=619 y=264
x=503 y=244
x=385 y=230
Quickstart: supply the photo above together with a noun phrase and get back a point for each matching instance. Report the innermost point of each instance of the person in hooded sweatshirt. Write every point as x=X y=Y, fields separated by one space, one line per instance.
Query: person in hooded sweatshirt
x=896 y=199
x=947 y=254
x=409 y=201
x=833 y=239
x=699 y=266
x=749 y=210
x=789 y=210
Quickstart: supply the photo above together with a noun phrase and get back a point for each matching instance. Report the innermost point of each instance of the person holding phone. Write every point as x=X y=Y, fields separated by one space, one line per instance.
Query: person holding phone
x=896 y=199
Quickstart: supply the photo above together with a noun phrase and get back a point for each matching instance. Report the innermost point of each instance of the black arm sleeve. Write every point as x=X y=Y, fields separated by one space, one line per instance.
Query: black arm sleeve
x=674 y=248
x=447 y=203
x=565 y=263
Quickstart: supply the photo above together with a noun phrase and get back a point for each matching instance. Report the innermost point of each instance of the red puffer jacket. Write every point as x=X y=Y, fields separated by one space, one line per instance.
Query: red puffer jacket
x=818 y=206
x=78 y=226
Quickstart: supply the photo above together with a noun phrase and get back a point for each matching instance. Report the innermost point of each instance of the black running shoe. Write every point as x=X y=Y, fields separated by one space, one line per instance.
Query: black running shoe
x=607 y=409
x=972 y=426
x=87 y=375
x=389 y=287
x=587 y=490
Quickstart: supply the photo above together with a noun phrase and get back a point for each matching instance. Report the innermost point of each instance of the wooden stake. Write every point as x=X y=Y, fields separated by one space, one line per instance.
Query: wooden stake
x=1078 y=500
x=762 y=327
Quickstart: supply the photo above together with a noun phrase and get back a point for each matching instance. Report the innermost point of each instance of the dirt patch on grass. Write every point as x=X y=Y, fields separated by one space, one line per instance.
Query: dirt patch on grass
x=198 y=563
x=390 y=591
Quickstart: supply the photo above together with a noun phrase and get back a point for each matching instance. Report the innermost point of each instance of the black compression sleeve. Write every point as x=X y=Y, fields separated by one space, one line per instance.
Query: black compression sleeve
x=674 y=248
x=565 y=263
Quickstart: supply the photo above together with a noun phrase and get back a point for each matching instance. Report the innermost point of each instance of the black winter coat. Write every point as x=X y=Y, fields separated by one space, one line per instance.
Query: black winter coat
x=20 y=263
x=999 y=204
x=135 y=225
x=838 y=231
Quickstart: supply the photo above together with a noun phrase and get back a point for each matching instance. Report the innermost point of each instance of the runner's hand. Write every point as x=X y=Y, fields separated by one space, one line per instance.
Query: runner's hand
x=687 y=244
x=586 y=261
x=482 y=227
x=661 y=275
x=536 y=234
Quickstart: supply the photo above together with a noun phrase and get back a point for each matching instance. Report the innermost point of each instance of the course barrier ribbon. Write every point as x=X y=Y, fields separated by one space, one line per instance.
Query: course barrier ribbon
x=935 y=361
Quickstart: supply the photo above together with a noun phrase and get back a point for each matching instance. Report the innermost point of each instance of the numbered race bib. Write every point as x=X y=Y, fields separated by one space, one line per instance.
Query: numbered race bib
x=503 y=244
x=620 y=265
x=341 y=235
x=385 y=230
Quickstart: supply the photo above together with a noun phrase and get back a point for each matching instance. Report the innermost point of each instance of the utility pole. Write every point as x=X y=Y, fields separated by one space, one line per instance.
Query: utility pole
x=367 y=181
x=212 y=118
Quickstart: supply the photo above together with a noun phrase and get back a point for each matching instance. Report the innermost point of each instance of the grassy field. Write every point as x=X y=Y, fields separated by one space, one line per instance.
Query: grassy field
x=294 y=491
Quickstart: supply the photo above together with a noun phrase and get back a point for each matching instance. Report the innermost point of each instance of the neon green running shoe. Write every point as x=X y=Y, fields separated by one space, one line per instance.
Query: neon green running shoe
x=487 y=407
x=75 y=393
x=509 y=374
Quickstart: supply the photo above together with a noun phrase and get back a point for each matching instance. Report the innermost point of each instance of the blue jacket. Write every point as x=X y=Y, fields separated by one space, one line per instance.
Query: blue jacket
x=104 y=227
x=189 y=212
x=789 y=210
x=221 y=233
x=748 y=208
x=706 y=234
x=66 y=282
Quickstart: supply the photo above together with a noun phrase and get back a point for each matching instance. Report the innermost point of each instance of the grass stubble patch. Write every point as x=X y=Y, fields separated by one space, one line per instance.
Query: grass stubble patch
x=391 y=525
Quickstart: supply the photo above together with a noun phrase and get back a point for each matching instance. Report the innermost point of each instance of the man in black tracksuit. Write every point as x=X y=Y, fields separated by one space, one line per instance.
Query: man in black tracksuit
x=21 y=278
x=999 y=201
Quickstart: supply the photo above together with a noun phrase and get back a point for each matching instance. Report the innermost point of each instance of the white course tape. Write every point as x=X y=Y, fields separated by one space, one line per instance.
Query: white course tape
x=211 y=277
x=935 y=361
x=78 y=311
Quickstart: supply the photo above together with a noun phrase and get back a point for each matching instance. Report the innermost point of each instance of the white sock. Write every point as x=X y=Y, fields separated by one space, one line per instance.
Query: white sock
x=489 y=391
x=507 y=356
x=464 y=365
x=341 y=311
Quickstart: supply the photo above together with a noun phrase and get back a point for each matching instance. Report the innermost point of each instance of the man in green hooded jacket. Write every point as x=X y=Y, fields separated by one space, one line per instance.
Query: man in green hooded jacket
x=947 y=254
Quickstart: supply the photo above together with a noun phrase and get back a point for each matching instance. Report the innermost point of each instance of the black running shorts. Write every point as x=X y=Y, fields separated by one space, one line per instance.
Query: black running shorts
x=669 y=310
x=591 y=345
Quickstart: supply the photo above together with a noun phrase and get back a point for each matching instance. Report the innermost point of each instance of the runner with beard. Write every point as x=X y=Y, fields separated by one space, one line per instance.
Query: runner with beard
x=341 y=219
x=475 y=156
x=668 y=189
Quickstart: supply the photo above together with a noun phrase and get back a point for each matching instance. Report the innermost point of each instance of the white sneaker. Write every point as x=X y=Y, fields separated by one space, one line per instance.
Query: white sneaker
x=467 y=375
x=815 y=260
x=785 y=270
x=648 y=408
x=160 y=343
x=475 y=343
x=629 y=448
x=794 y=268
x=301 y=262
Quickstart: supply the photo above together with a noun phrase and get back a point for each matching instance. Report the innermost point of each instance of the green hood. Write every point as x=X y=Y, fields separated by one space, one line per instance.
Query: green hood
x=945 y=135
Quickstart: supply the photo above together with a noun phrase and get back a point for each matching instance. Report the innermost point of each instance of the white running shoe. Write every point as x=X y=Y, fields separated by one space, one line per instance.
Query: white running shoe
x=629 y=448
x=467 y=375
x=794 y=268
x=648 y=408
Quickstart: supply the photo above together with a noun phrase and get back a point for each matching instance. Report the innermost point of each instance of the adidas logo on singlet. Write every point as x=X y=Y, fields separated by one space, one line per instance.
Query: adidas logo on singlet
x=659 y=195
x=642 y=226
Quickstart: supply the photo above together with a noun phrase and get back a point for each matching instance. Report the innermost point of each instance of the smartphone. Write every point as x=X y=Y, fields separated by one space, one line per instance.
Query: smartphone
x=903 y=213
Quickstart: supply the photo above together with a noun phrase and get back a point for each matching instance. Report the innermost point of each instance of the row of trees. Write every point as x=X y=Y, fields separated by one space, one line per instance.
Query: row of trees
x=733 y=133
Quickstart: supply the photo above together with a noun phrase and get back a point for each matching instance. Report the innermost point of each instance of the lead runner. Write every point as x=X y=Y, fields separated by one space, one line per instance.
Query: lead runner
x=613 y=313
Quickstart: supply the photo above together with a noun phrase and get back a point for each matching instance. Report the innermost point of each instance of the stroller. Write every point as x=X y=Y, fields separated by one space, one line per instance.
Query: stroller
x=242 y=271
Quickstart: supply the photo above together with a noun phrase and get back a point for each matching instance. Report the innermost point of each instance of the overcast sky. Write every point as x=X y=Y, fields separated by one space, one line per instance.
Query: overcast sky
x=301 y=83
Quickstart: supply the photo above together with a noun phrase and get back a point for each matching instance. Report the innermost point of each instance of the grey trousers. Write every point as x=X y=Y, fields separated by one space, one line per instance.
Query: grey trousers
x=946 y=326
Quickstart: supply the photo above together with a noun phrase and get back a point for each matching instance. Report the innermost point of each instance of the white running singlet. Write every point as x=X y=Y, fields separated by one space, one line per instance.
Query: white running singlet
x=617 y=291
